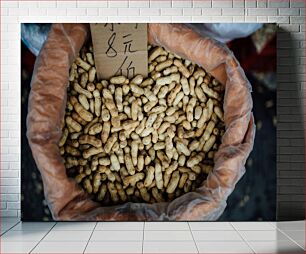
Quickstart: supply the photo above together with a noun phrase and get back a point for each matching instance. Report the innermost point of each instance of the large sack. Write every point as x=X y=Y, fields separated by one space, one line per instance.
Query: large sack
x=47 y=101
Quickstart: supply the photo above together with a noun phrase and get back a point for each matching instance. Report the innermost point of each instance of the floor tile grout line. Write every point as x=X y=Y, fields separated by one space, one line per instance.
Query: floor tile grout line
x=290 y=238
x=121 y=230
x=158 y=240
x=272 y=229
x=10 y=228
x=143 y=232
x=90 y=237
x=43 y=237
x=232 y=226
x=244 y=240
x=274 y=225
x=193 y=238
x=292 y=230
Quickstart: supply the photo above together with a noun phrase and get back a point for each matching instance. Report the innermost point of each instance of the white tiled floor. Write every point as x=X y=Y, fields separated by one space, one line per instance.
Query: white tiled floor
x=152 y=237
x=222 y=236
x=69 y=236
x=117 y=236
x=114 y=247
x=170 y=247
x=225 y=247
x=167 y=236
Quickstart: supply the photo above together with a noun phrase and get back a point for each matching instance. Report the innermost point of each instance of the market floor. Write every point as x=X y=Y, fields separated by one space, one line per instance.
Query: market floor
x=152 y=237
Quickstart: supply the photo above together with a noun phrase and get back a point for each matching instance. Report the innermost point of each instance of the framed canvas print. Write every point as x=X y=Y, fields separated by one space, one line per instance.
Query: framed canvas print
x=148 y=122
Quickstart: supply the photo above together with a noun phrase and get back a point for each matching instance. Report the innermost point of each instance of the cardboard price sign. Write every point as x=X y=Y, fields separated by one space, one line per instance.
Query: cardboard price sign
x=120 y=49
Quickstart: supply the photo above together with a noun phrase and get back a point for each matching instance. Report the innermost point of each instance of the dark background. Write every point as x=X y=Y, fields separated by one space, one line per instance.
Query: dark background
x=254 y=197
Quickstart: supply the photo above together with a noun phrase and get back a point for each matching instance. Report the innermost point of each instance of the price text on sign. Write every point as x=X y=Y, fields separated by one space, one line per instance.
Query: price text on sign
x=120 y=49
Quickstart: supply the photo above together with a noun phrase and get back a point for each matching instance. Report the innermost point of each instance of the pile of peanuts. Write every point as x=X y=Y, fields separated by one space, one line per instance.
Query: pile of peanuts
x=145 y=139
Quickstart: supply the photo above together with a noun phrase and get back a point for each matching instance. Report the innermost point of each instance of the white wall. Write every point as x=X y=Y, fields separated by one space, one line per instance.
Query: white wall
x=290 y=15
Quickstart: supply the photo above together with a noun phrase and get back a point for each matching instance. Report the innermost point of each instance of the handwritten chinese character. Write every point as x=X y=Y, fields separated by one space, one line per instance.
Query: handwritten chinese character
x=127 y=44
x=111 y=25
x=111 y=52
x=129 y=70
